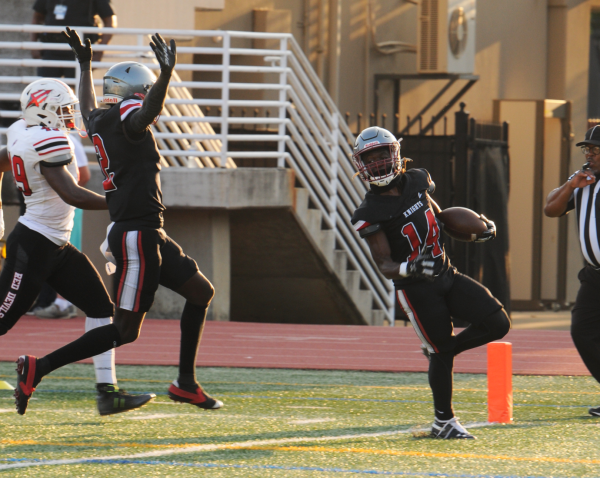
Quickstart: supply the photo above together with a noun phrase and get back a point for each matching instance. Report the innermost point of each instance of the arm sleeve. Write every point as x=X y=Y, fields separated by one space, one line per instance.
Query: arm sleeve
x=103 y=8
x=153 y=104
x=52 y=144
x=53 y=148
x=40 y=7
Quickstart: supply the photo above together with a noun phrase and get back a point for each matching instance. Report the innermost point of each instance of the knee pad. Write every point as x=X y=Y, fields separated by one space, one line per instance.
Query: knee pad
x=208 y=292
x=498 y=324
x=105 y=309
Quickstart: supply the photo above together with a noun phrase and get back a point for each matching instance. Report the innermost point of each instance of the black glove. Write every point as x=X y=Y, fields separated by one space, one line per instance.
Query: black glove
x=166 y=58
x=82 y=52
x=425 y=266
x=491 y=230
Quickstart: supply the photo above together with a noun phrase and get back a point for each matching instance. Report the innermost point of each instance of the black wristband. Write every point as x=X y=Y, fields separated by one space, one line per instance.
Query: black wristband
x=86 y=65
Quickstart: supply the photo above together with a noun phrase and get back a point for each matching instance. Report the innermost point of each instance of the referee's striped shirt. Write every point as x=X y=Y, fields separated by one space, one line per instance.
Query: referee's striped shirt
x=584 y=201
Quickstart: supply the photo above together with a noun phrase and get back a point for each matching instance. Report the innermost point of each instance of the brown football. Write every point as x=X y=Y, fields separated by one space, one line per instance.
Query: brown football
x=461 y=223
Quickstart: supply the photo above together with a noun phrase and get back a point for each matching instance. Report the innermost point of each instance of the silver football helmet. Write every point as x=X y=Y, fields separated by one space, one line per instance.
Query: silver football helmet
x=381 y=172
x=126 y=79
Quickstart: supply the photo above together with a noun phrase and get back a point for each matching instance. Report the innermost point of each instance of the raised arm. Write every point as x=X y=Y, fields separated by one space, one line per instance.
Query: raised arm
x=154 y=102
x=66 y=187
x=83 y=53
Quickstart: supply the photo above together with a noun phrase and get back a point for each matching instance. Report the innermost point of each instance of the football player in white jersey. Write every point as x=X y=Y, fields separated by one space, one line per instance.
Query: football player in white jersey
x=41 y=157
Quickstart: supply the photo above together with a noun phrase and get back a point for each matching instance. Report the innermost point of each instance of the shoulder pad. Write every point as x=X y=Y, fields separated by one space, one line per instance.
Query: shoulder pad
x=18 y=125
x=49 y=142
x=431 y=188
x=128 y=106
x=419 y=179
x=365 y=229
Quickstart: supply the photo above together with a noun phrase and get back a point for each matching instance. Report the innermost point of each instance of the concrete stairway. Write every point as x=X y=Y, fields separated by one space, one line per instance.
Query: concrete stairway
x=324 y=242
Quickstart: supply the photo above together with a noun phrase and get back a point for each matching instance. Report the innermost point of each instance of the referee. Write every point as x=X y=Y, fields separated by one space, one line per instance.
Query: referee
x=580 y=192
x=71 y=13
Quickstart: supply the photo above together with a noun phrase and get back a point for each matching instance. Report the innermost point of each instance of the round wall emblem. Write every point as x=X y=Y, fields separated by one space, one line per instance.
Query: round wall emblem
x=458 y=32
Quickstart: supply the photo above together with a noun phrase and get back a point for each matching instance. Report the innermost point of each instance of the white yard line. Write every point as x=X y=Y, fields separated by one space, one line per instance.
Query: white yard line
x=225 y=446
x=305 y=421
x=152 y=417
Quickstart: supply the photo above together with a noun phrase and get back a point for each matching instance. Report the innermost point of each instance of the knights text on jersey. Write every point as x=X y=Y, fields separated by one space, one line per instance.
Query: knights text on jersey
x=131 y=167
x=28 y=147
x=408 y=220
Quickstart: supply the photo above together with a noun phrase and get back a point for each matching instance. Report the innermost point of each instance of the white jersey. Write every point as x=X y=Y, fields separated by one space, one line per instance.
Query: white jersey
x=29 y=146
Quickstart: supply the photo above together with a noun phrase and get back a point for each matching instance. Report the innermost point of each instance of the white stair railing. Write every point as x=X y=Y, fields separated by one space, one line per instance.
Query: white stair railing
x=295 y=113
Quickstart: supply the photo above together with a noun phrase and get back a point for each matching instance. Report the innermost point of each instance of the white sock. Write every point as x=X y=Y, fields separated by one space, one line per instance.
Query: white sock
x=104 y=363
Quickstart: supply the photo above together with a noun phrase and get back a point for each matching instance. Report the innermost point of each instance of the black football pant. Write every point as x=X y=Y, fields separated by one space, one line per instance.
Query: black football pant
x=430 y=307
x=32 y=260
x=145 y=258
x=585 y=320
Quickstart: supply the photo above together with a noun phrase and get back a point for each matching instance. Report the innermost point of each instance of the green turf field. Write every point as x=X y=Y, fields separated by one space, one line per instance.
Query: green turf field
x=296 y=423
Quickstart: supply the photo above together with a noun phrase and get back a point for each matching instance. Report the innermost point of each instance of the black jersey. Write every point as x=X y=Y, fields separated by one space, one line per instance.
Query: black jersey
x=131 y=167
x=407 y=220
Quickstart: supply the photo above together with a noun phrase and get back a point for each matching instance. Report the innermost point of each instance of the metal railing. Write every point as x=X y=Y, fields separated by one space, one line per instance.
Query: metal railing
x=311 y=135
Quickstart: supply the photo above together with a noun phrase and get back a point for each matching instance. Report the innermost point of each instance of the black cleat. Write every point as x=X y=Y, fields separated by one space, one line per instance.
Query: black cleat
x=449 y=429
x=111 y=400
x=194 y=396
x=595 y=411
x=27 y=380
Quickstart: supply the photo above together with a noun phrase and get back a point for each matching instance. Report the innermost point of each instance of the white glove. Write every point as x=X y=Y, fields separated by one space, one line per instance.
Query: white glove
x=1 y=223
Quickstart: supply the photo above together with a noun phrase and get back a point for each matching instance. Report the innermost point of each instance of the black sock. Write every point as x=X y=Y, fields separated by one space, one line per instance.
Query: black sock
x=440 y=381
x=89 y=344
x=192 y=323
x=493 y=327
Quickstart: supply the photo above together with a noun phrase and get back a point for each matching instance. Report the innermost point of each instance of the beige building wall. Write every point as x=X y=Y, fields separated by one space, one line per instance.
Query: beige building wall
x=177 y=14
x=525 y=50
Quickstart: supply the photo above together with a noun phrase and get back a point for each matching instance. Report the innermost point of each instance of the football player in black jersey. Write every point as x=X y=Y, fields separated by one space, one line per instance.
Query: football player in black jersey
x=398 y=220
x=143 y=253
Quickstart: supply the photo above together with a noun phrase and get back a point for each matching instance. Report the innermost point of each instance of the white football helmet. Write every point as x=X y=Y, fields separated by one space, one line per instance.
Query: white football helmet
x=51 y=103
x=382 y=172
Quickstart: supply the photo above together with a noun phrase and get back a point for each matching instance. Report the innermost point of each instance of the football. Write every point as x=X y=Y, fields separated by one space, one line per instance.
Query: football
x=461 y=223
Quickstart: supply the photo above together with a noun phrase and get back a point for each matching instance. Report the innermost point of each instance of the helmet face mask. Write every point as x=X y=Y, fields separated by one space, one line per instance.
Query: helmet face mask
x=50 y=103
x=126 y=79
x=377 y=156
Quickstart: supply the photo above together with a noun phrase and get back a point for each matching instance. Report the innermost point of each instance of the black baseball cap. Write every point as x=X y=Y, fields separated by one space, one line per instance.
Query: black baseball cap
x=591 y=137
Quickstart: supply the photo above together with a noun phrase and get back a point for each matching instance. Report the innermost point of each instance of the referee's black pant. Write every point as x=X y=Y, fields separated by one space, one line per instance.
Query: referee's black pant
x=585 y=320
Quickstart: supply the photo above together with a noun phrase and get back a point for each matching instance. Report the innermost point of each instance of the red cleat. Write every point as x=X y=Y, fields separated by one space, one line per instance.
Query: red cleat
x=194 y=397
x=26 y=381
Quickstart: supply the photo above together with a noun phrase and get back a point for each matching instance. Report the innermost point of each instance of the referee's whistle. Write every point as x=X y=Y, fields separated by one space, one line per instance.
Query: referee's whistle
x=587 y=167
